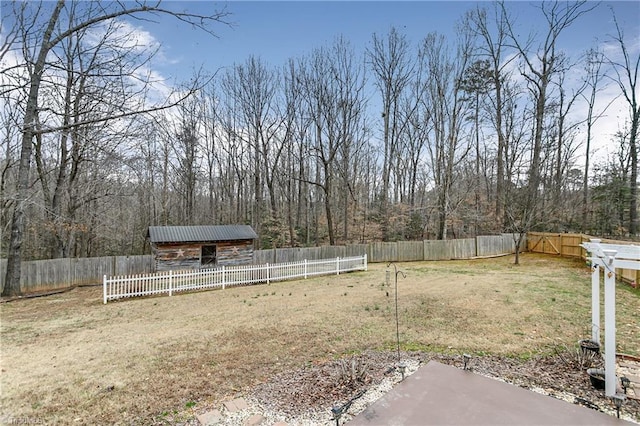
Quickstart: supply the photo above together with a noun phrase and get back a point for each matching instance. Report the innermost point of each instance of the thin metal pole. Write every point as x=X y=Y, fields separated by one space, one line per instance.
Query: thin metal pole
x=396 y=272
x=397 y=318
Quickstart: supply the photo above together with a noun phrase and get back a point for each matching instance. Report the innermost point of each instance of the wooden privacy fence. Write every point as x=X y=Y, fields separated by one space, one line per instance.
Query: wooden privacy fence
x=400 y=251
x=568 y=245
x=59 y=274
x=170 y=282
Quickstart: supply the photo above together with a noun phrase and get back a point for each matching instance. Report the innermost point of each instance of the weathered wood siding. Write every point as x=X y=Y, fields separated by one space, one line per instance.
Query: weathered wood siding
x=187 y=255
x=176 y=256
x=234 y=253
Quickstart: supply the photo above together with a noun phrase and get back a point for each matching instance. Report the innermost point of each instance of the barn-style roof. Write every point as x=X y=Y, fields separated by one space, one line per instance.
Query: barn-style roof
x=202 y=233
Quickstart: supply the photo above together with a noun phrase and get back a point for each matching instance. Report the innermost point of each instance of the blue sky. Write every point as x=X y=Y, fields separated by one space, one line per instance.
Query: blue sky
x=277 y=31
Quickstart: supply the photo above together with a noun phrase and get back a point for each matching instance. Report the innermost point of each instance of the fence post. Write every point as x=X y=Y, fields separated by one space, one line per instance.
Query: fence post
x=268 y=274
x=104 y=288
x=69 y=280
x=337 y=265
x=365 y=262
x=305 y=269
x=170 y=282
x=476 y=245
x=224 y=277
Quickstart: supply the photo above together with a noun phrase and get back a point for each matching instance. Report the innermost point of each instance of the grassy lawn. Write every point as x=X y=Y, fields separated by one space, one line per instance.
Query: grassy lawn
x=68 y=358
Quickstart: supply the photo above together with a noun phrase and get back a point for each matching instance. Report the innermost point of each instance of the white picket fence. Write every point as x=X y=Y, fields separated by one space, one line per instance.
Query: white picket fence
x=170 y=282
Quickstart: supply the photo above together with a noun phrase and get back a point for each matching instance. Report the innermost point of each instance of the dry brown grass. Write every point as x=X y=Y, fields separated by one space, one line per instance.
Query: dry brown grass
x=68 y=358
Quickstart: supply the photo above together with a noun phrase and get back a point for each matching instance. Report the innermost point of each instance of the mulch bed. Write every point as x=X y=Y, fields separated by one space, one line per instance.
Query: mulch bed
x=323 y=385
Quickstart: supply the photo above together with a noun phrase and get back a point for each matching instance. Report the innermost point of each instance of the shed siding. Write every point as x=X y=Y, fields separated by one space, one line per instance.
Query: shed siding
x=176 y=256
x=235 y=253
x=187 y=255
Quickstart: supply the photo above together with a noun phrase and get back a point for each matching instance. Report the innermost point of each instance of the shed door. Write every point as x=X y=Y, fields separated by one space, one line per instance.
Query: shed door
x=208 y=256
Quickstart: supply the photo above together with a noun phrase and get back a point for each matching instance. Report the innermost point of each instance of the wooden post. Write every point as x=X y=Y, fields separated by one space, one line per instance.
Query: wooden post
x=104 y=289
x=170 y=282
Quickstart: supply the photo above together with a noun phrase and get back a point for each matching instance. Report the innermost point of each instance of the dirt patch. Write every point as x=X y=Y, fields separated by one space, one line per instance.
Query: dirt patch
x=67 y=358
x=317 y=388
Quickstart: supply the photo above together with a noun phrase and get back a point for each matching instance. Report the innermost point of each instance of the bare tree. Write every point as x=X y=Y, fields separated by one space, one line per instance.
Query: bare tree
x=235 y=159
x=493 y=47
x=610 y=191
x=626 y=70
x=9 y=117
x=414 y=134
x=91 y=84
x=540 y=63
x=445 y=106
x=294 y=176
x=185 y=141
x=594 y=84
x=42 y=35
x=565 y=136
x=256 y=91
x=333 y=84
x=477 y=81
x=392 y=66
x=211 y=147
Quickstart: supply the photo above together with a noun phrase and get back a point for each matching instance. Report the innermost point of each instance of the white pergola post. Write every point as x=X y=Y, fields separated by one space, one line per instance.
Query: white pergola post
x=610 y=322
x=595 y=298
x=608 y=257
x=595 y=303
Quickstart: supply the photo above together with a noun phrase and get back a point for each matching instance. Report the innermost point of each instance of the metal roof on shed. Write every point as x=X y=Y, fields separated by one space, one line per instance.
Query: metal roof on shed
x=202 y=233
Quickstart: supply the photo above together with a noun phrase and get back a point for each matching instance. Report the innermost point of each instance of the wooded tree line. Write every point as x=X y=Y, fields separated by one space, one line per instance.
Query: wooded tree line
x=408 y=139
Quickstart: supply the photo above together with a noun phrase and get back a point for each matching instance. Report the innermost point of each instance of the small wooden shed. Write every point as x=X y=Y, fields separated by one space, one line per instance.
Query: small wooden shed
x=201 y=247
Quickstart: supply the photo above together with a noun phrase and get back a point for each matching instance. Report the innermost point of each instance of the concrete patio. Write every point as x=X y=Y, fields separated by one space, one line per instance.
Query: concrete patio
x=439 y=394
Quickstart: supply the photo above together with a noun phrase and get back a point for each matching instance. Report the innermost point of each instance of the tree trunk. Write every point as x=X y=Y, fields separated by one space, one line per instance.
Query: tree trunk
x=442 y=214
x=518 y=242
x=14 y=256
x=327 y=204
x=386 y=166
x=501 y=153
x=534 y=171
x=585 y=179
x=633 y=188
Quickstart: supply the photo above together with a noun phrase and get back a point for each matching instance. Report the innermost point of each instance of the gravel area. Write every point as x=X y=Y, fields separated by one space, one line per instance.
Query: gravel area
x=307 y=396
